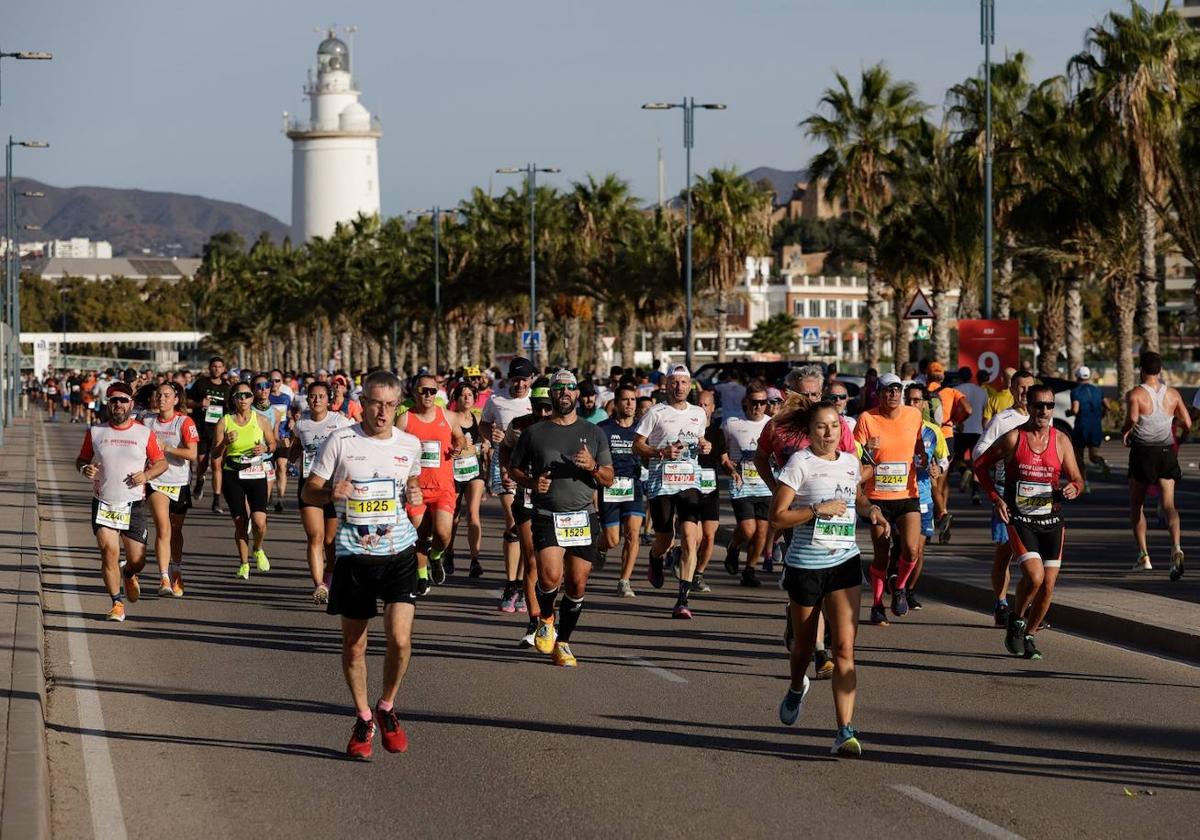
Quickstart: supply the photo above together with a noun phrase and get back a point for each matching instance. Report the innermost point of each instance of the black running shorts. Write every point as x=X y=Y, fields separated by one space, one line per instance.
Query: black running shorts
x=808 y=587
x=664 y=510
x=361 y=582
x=137 y=521
x=544 y=536
x=1151 y=464
x=752 y=507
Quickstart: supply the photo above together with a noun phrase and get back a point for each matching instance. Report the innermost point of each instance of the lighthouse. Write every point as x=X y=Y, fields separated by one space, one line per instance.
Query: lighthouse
x=335 y=156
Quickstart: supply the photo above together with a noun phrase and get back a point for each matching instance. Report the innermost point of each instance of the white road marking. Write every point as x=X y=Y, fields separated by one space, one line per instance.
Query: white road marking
x=965 y=817
x=669 y=676
x=104 y=798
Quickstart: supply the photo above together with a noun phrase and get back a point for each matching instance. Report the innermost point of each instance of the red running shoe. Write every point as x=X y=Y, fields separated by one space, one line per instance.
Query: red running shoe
x=390 y=731
x=360 y=740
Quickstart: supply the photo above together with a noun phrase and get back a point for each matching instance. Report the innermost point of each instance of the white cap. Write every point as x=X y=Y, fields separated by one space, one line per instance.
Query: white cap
x=1083 y=372
x=889 y=379
x=679 y=370
x=563 y=377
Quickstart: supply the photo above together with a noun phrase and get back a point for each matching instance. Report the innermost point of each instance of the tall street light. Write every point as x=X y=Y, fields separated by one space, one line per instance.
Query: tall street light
x=531 y=170
x=987 y=35
x=12 y=270
x=436 y=213
x=26 y=55
x=689 y=106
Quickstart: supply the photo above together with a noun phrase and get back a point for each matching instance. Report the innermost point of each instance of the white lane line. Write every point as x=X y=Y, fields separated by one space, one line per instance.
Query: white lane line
x=965 y=817
x=104 y=797
x=669 y=676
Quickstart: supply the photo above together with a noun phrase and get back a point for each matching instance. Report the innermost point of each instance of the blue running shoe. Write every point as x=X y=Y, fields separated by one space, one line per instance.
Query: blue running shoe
x=846 y=742
x=792 y=704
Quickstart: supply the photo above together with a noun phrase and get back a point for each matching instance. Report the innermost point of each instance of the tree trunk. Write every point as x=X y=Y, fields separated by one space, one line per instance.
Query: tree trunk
x=414 y=348
x=872 y=324
x=346 y=340
x=1148 y=279
x=1003 y=288
x=574 y=328
x=475 y=348
x=598 y=341
x=941 y=322
x=656 y=342
x=1050 y=329
x=1073 y=318
x=452 y=359
x=900 y=339
x=1123 y=299
x=629 y=339
x=543 y=355
x=722 y=321
x=489 y=336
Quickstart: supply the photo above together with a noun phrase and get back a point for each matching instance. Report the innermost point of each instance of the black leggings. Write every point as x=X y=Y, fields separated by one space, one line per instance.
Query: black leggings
x=240 y=493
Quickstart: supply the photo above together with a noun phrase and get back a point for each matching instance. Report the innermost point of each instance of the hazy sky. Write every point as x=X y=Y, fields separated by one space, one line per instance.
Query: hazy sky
x=186 y=96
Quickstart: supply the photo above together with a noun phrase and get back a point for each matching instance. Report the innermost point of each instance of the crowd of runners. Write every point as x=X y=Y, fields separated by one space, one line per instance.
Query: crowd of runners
x=386 y=473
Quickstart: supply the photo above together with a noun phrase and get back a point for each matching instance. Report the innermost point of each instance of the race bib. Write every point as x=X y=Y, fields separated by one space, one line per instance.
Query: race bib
x=254 y=470
x=677 y=473
x=891 y=475
x=306 y=461
x=372 y=502
x=750 y=476
x=214 y=413
x=466 y=467
x=835 y=532
x=171 y=491
x=527 y=500
x=620 y=491
x=91 y=406
x=708 y=480
x=431 y=454
x=572 y=529
x=1034 y=498
x=114 y=516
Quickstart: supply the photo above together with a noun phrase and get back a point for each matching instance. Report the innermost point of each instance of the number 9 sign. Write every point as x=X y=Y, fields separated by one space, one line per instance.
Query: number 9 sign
x=989 y=346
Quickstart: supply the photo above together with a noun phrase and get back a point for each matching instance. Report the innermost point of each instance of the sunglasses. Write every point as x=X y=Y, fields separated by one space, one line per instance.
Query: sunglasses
x=839 y=397
x=427 y=392
x=774 y=402
x=119 y=400
x=1044 y=406
x=757 y=402
x=564 y=386
x=277 y=380
x=914 y=400
x=243 y=395
x=896 y=387
x=262 y=386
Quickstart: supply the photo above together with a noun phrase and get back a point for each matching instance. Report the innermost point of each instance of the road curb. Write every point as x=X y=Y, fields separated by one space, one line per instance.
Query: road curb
x=26 y=789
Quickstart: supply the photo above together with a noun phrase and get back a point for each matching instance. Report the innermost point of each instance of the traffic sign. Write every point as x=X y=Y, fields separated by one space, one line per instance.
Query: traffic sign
x=919 y=307
x=531 y=339
x=989 y=346
x=922 y=332
x=608 y=341
x=810 y=336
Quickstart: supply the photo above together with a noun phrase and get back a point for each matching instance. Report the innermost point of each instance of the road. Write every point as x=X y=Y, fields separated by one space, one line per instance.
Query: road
x=223 y=714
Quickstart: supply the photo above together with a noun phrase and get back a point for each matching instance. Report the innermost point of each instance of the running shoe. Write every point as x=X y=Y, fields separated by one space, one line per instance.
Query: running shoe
x=117 y=613
x=1014 y=634
x=476 y=568
x=699 y=584
x=732 y=563
x=601 y=560
x=1142 y=563
x=889 y=584
x=671 y=560
x=913 y=603
x=1105 y=470
x=879 y=615
x=846 y=742
x=792 y=704
x=164 y=587
x=899 y=602
x=508 y=600
x=1000 y=614
x=390 y=731
x=177 y=584
x=625 y=589
x=546 y=636
x=749 y=578
x=822 y=665
x=520 y=603
x=437 y=572
x=1177 y=563
x=654 y=571
x=321 y=594
x=422 y=587
x=360 y=739
x=964 y=482
x=681 y=611
x=243 y=572
x=944 y=528
x=646 y=539
x=527 y=641
x=976 y=501
x=279 y=507
x=448 y=562
x=133 y=589
x=563 y=655
x=217 y=509
x=1031 y=651
x=197 y=491
x=261 y=562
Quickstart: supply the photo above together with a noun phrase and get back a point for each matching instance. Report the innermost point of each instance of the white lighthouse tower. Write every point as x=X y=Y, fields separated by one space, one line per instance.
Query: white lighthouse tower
x=335 y=157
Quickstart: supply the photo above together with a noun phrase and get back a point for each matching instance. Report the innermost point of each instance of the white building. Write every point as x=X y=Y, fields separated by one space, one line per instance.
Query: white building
x=335 y=156
x=77 y=247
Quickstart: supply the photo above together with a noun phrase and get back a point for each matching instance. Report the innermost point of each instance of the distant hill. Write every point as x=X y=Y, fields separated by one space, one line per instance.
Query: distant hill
x=169 y=224
x=783 y=181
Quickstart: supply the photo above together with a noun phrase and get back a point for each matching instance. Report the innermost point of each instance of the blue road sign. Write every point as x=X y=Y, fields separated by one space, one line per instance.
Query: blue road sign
x=531 y=339
x=810 y=336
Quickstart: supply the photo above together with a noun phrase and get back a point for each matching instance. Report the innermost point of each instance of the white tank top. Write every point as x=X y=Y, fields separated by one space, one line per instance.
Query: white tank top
x=1154 y=429
x=179 y=432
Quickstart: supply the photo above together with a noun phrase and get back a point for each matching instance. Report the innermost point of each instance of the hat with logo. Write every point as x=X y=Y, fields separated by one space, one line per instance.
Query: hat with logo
x=520 y=368
x=540 y=392
x=1083 y=372
x=679 y=370
x=889 y=380
x=563 y=377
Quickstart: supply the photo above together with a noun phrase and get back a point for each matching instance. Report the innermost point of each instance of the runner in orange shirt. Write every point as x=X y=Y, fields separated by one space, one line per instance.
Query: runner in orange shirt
x=955 y=409
x=891 y=438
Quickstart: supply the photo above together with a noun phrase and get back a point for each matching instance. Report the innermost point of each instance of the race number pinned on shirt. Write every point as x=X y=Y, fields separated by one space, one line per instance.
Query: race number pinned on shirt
x=708 y=480
x=1034 y=498
x=214 y=413
x=677 y=473
x=750 y=476
x=306 y=461
x=834 y=532
x=372 y=502
x=115 y=516
x=891 y=475
x=572 y=529
x=620 y=491
x=171 y=491
x=431 y=454
x=466 y=467
x=255 y=469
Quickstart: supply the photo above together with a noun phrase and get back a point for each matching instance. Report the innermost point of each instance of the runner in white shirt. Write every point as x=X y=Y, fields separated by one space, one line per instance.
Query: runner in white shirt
x=170 y=495
x=964 y=442
x=749 y=494
x=309 y=431
x=369 y=471
x=497 y=415
x=120 y=457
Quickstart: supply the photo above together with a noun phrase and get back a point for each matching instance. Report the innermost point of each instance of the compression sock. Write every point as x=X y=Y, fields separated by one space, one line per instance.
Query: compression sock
x=685 y=586
x=904 y=570
x=423 y=573
x=546 y=602
x=568 y=617
x=877 y=576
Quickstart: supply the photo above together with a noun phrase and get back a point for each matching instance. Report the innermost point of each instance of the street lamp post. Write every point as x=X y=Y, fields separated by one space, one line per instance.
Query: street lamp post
x=26 y=55
x=531 y=170
x=436 y=213
x=987 y=35
x=689 y=106
x=12 y=270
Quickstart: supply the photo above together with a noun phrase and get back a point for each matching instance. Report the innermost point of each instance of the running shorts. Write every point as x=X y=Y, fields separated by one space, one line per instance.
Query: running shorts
x=613 y=514
x=544 y=536
x=751 y=507
x=241 y=494
x=807 y=587
x=205 y=432
x=437 y=498
x=1031 y=540
x=361 y=582
x=137 y=521
x=893 y=509
x=1152 y=464
x=176 y=508
x=1088 y=434
x=521 y=510
x=664 y=510
x=710 y=507
x=964 y=444
x=329 y=509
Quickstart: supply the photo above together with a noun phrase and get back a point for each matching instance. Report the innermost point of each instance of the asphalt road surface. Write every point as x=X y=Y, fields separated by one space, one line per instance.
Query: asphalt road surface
x=223 y=714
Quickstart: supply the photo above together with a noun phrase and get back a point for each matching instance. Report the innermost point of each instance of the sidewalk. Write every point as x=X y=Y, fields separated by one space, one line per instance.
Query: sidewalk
x=24 y=783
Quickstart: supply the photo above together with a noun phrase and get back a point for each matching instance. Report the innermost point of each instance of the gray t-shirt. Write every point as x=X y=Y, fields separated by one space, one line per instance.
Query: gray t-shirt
x=550 y=446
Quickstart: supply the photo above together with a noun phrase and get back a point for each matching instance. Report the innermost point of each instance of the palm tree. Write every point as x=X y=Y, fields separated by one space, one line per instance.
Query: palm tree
x=776 y=334
x=862 y=133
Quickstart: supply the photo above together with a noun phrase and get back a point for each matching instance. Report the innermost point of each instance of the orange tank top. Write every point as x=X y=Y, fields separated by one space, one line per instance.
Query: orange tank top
x=436 y=467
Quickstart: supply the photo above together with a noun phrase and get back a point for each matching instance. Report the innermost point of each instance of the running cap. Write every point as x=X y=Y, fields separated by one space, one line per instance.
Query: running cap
x=774 y=393
x=678 y=370
x=1083 y=372
x=520 y=368
x=540 y=392
x=564 y=377
x=120 y=388
x=472 y=371
x=889 y=379
x=587 y=388
x=342 y=379
x=937 y=368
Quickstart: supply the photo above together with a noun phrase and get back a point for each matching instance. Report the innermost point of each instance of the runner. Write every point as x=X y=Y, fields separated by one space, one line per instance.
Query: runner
x=207 y=399
x=170 y=494
x=341 y=401
x=263 y=407
x=441 y=442
x=52 y=390
x=497 y=415
x=589 y=407
x=281 y=401
x=368 y=470
x=891 y=436
x=1035 y=456
x=1087 y=407
x=710 y=497
x=1153 y=409
x=622 y=505
x=837 y=393
x=749 y=494
x=242 y=438
x=956 y=410
x=562 y=461
x=468 y=476
x=119 y=458
x=817 y=498
x=964 y=442
x=937 y=459
x=320 y=522
x=671 y=435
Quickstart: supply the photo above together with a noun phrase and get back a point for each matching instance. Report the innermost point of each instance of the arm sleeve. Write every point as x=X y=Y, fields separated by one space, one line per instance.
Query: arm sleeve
x=646 y=425
x=86 y=453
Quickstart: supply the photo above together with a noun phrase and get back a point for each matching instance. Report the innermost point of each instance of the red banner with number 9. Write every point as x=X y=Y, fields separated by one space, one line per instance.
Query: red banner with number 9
x=990 y=346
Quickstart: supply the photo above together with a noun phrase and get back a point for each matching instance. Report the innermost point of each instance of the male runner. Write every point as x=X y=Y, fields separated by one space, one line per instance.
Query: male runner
x=710 y=497
x=590 y=409
x=622 y=506
x=369 y=471
x=937 y=456
x=1035 y=457
x=563 y=461
x=281 y=401
x=749 y=494
x=120 y=457
x=208 y=399
x=956 y=409
x=1087 y=407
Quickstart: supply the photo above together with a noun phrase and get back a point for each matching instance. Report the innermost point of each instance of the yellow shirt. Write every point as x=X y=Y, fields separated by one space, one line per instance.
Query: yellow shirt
x=997 y=401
